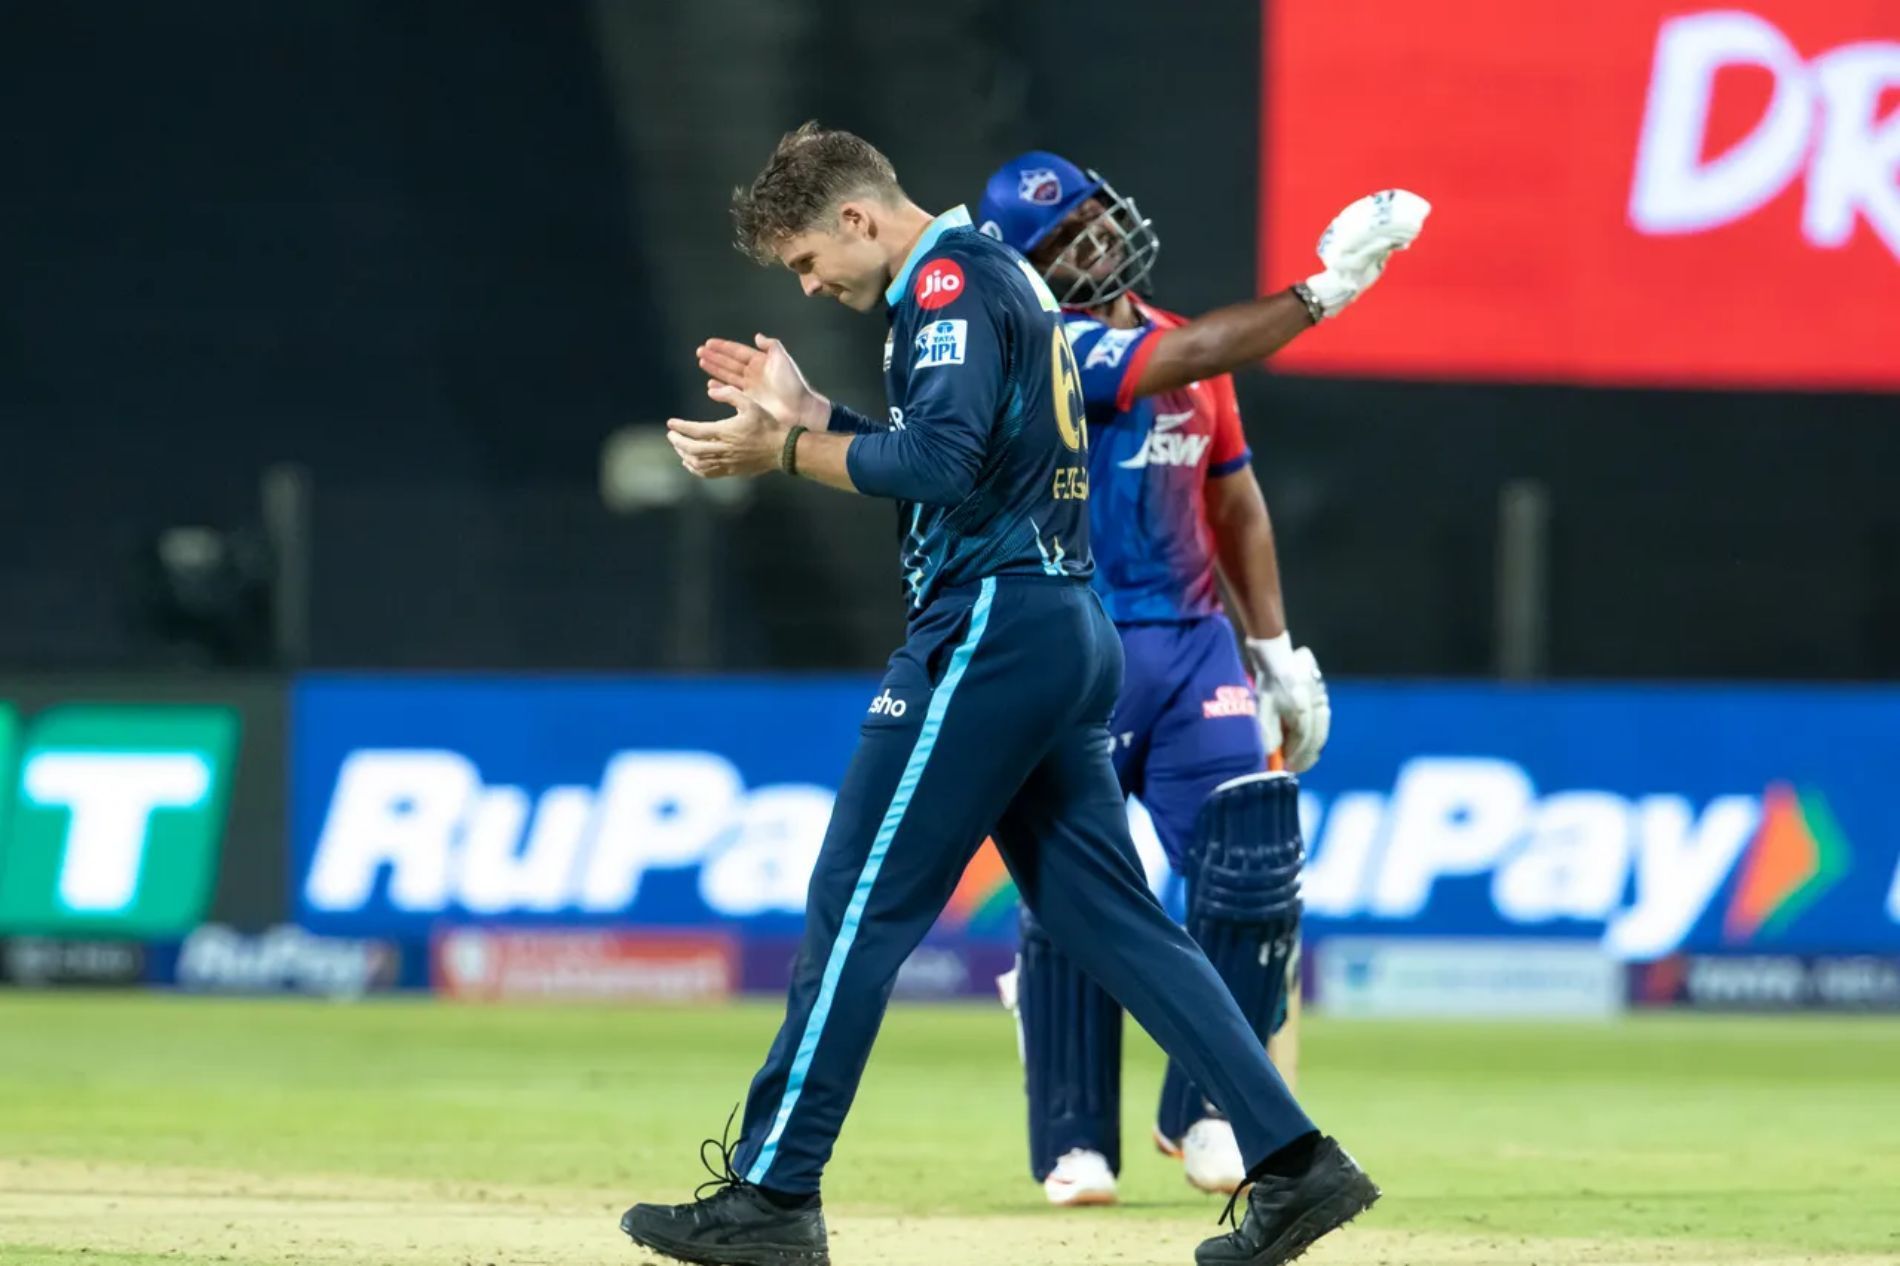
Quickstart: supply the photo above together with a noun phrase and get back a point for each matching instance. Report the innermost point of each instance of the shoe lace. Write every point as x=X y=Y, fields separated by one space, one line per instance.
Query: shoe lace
x=724 y=1177
x=1227 y=1215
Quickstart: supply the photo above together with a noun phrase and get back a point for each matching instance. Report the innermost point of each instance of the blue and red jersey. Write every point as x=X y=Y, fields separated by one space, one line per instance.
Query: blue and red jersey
x=1149 y=463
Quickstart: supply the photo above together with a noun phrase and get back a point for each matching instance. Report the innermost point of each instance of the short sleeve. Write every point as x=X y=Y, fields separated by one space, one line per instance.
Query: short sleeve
x=1110 y=360
x=1229 y=453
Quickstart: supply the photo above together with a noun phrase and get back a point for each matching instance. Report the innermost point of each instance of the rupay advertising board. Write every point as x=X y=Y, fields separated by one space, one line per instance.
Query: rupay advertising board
x=1649 y=819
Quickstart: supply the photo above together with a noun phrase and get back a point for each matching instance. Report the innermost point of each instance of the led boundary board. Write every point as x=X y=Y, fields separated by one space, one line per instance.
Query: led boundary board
x=663 y=804
x=1636 y=192
x=1650 y=820
x=112 y=816
x=136 y=808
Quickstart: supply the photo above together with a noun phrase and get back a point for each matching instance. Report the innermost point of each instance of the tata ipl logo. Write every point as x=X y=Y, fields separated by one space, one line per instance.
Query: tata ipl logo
x=1797 y=855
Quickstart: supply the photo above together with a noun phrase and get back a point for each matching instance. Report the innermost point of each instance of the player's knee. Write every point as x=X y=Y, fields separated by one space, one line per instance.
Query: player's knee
x=1061 y=924
x=1042 y=949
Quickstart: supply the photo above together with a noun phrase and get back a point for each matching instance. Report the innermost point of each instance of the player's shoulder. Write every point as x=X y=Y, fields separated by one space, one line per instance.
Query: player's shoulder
x=972 y=248
x=1098 y=342
x=988 y=268
x=1083 y=330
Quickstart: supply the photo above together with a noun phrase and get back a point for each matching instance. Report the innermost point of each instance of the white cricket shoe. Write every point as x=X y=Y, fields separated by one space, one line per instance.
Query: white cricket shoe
x=1212 y=1157
x=1081 y=1177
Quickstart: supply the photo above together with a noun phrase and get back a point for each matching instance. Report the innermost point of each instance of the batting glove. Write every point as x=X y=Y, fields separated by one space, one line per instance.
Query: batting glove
x=1356 y=245
x=1295 y=714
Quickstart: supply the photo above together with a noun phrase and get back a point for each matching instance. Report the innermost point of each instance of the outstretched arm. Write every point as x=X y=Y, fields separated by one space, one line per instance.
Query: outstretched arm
x=1354 y=248
x=1220 y=342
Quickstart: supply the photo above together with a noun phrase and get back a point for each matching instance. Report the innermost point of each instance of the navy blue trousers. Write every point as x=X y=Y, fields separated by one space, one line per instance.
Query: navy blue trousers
x=992 y=719
x=1184 y=723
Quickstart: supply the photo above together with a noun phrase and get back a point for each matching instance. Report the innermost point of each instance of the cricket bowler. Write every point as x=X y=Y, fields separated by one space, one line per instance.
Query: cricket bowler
x=1175 y=509
x=992 y=717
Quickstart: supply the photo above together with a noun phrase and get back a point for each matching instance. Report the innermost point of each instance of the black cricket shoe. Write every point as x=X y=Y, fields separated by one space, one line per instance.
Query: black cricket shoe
x=733 y=1225
x=1284 y=1216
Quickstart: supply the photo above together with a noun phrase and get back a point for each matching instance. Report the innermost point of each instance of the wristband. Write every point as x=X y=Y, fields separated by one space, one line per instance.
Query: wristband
x=1315 y=310
x=788 y=456
x=1272 y=656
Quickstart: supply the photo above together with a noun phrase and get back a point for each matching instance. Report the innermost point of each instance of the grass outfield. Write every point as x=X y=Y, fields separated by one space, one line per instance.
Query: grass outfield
x=148 y=1129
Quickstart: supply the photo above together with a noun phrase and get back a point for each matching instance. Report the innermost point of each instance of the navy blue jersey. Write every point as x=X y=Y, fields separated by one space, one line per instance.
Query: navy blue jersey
x=986 y=446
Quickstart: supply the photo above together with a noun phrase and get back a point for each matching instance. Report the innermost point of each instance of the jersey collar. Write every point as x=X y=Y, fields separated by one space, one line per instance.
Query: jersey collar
x=954 y=218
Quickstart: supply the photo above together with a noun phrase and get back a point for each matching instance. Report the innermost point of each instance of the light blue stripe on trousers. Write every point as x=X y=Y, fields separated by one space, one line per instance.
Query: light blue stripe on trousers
x=861 y=895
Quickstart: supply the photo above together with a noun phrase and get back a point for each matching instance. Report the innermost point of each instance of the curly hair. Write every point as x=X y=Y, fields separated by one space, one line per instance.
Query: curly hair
x=812 y=170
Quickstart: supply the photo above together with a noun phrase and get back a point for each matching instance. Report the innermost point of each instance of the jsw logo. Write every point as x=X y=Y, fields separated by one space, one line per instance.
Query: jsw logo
x=885 y=705
x=1169 y=448
x=1824 y=117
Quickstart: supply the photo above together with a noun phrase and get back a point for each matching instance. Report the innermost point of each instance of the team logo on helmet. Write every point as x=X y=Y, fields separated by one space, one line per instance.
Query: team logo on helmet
x=1040 y=186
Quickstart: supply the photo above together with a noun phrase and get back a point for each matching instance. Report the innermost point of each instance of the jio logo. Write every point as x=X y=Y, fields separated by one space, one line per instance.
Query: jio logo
x=939 y=284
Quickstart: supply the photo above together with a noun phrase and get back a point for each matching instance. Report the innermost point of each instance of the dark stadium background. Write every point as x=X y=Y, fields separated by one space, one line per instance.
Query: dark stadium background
x=434 y=254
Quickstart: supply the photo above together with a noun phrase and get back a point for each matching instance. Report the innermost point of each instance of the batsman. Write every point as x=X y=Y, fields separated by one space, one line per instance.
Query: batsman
x=1175 y=511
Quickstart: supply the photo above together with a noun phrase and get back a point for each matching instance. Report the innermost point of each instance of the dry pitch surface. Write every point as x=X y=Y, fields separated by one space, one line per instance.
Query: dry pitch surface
x=147 y=1130
x=207 y=1216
